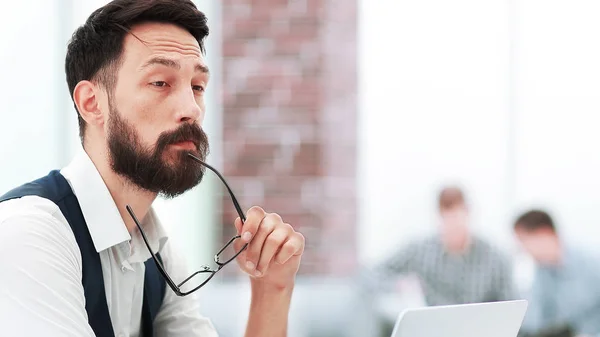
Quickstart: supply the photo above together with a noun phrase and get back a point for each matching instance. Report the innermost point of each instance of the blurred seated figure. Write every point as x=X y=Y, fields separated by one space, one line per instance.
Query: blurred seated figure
x=454 y=266
x=564 y=299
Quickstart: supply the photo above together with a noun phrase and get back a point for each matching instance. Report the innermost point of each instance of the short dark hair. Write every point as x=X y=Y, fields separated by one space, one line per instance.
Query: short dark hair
x=533 y=220
x=450 y=197
x=95 y=49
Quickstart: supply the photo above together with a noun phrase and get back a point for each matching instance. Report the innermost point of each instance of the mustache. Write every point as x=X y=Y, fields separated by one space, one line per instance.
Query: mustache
x=185 y=133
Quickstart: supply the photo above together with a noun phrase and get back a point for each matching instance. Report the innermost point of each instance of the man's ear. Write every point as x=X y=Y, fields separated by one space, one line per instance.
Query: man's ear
x=86 y=96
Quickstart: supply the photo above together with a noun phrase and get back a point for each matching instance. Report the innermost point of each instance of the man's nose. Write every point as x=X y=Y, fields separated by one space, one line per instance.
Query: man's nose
x=189 y=109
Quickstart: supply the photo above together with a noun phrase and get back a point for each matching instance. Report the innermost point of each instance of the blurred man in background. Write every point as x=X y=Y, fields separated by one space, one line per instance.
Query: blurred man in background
x=453 y=266
x=564 y=299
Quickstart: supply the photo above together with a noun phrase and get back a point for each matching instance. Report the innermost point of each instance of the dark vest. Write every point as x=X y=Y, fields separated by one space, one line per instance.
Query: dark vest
x=56 y=188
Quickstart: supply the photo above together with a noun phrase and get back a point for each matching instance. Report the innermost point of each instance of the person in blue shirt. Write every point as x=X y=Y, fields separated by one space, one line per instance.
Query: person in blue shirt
x=564 y=298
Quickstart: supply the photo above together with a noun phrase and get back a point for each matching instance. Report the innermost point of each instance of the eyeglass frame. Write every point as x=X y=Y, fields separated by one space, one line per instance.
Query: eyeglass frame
x=205 y=269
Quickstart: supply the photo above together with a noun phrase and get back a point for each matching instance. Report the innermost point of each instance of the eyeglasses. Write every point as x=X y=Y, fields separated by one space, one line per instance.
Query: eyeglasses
x=198 y=279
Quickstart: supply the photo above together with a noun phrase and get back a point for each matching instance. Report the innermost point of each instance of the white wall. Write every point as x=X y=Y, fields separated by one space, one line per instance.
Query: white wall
x=434 y=79
x=31 y=69
x=558 y=102
x=498 y=95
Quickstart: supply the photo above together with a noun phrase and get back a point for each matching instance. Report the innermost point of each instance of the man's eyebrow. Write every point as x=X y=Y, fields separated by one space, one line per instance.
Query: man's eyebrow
x=162 y=61
x=172 y=64
x=202 y=68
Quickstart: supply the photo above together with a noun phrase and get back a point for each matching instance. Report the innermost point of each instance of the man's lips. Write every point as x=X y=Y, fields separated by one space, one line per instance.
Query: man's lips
x=185 y=145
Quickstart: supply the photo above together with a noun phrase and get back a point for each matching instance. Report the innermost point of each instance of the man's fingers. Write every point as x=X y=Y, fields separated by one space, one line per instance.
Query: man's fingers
x=253 y=252
x=254 y=217
x=238 y=225
x=294 y=246
x=273 y=244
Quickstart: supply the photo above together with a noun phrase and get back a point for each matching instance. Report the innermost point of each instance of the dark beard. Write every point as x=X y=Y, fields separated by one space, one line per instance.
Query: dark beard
x=146 y=168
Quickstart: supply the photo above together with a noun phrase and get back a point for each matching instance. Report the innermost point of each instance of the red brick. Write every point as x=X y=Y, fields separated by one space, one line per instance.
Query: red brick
x=233 y=50
x=307 y=159
x=247 y=100
x=290 y=46
x=305 y=26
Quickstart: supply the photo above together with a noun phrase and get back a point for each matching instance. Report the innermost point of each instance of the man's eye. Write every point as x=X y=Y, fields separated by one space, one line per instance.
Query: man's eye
x=198 y=88
x=159 y=84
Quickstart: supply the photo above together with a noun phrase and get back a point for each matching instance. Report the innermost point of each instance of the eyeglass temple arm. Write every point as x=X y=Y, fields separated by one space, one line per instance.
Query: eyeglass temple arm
x=159 y=265
x=233 y=199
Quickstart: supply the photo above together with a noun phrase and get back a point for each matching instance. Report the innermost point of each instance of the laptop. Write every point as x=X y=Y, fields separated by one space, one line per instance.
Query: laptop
x=495 y=319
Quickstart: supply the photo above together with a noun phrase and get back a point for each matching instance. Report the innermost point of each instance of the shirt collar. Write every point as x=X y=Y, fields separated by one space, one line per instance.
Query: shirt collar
x=156 y=237
x=101 y=214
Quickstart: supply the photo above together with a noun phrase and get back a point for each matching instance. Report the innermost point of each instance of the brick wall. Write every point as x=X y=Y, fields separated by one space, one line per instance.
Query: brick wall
x=290 y=113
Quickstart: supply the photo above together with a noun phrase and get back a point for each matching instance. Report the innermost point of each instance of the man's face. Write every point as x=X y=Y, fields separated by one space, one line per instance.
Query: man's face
x=156 y=110
x=541 y=244
x=455 y=224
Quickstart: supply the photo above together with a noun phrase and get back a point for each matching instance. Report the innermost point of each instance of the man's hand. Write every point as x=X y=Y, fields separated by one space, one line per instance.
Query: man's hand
x=273 y=256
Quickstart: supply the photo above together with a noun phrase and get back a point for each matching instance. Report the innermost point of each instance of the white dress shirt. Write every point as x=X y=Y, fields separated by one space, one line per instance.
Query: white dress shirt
x=41 y=293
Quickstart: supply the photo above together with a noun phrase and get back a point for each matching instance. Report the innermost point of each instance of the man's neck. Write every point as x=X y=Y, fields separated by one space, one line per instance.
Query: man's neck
x=456 y=248
x=122 y=190
x=558 y=258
